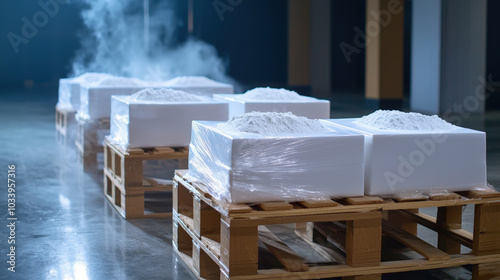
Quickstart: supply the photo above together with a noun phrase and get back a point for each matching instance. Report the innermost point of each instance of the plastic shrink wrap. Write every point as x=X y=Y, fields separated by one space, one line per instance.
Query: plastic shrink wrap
x=141 y=124
x=275 y=100
x=412 y=162
x=69 y=90
x=198 y=85
x=240 y=167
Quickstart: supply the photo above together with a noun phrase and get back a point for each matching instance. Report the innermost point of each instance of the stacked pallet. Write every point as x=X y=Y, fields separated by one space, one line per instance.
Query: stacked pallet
x=220 y=241
x=124 y=183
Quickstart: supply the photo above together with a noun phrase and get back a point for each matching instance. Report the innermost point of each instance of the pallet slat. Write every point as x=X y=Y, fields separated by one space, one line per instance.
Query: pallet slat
x=318 y=203
x=459 y=235
x=288 y=258
x=416 y=244
x=271 y=206
x=363 y=200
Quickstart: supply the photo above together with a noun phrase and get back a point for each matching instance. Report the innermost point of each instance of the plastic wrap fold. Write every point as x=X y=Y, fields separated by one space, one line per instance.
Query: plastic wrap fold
x=143 y=124
x=251 y=168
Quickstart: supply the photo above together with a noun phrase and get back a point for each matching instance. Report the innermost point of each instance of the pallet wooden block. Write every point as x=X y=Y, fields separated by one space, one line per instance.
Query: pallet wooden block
x=124 y=184
x=89 y=137
x=65 y=120
x=220 y=241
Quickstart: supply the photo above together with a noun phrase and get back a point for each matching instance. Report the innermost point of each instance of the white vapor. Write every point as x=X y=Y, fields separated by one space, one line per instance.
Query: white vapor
x=114 y=42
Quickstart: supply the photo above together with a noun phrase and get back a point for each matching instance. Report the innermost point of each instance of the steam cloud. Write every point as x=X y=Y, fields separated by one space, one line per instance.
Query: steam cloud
x=116 y=42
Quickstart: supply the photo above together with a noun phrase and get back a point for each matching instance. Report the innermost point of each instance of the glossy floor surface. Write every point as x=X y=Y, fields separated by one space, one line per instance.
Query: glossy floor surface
x=66 y=229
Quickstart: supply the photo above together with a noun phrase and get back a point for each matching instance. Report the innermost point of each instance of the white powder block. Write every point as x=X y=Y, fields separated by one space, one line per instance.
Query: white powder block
x=304 y=106
x=140 y=125
x=198 y=85
x=241 y=167
x=398 y=162
x=69 y=89
x=69 y=94
x=95 y=101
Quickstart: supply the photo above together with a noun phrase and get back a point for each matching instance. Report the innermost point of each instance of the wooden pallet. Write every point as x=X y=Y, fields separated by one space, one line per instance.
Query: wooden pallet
x=65 y=120
x=124 y=184
x=220 y=241
x=89 y=137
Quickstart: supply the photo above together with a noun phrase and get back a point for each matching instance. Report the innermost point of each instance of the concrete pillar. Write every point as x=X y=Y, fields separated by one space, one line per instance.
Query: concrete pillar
x=321 y=48
x=384 y=53
x=448 y=56
x=299 y=48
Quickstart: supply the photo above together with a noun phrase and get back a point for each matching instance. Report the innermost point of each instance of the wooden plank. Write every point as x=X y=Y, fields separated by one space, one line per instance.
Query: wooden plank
x=163 y=150
x=238 y=208
x=344 y=209
x=331 y=271
x=481 y=193
x=444 y=196
x=449 y=218
x=486 y=271
x=486 y=229
x=318 y=203
x=416 y=244
x=363 y=242
x=211 y=244
x=307 y=218
x=362 y=200
x=272 y=206
x=206 y=219
x=286 y=256
x=402 y=222
x=182 y=200
x=458 y=235
x=181 y=239
x=306 y=232
x=204 y=266
x=239 y=249
x=486 y=239
x=133 y=151
x=187 y=259
x=334 y=232
x=211 y=247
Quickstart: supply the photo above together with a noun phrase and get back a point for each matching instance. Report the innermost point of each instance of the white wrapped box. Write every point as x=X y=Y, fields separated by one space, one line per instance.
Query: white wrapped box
x=95 y=101
x=141 y=125
x=248 y=167
x=308 y=107
x=403 y=162
x=69 y=94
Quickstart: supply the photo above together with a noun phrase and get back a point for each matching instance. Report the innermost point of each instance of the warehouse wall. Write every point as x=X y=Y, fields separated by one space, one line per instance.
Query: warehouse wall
x=45 y=54
x=250 y=34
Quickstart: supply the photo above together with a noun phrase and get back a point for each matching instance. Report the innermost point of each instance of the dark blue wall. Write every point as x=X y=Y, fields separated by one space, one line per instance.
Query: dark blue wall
x=251 y=36
x=45 y=57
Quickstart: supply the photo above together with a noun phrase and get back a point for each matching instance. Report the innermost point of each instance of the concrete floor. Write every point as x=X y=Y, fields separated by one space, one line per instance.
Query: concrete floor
x=66 y=229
